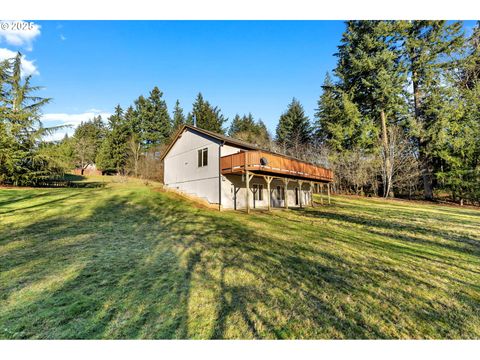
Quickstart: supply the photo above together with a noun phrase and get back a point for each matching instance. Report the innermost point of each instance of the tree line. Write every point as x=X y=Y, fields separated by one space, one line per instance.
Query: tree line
x=132 y=140
x=399 y=115
x=402 y=110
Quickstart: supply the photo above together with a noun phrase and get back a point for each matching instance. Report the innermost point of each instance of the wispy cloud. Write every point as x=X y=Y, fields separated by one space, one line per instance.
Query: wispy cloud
x=73 y=120
x=28 y=66
x=63 y=37
x=19 y=33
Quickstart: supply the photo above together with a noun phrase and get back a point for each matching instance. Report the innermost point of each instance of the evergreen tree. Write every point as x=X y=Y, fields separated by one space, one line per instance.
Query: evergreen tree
x=116 y=118
x=263 y=138
x=369 y=68
x=247 y=129
x=294 y=129
x=429 y=48
x=206 y=116
x=458 y=139
x=87 y=141
x=327 y=115
x=156 y=123
x=178 y=117
x=21 y=131
x=470 y=72
x=113 y=153
x=240 y=124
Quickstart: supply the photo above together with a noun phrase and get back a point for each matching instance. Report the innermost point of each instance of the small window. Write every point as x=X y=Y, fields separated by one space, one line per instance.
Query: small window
x=258 y=191
x=202 y=157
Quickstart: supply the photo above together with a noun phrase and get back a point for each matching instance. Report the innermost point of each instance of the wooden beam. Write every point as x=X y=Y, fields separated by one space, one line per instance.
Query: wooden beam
x=247 y=191
x=328 y=192
x=285 y=192
x=312 y=185
x=321 y=193
x=268 y=180
x=300 y=195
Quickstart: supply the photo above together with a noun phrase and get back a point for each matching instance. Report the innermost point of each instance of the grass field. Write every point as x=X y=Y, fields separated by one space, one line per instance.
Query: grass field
x=128 y=261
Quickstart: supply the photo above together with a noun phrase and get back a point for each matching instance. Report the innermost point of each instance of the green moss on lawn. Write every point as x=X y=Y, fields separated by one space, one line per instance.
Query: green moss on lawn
x=127 y=261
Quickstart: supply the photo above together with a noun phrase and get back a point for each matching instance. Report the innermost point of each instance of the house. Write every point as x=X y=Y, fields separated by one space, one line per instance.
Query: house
x=220 y=169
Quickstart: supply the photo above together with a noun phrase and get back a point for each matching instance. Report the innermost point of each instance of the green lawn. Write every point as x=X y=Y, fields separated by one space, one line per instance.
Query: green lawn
x=128 y=261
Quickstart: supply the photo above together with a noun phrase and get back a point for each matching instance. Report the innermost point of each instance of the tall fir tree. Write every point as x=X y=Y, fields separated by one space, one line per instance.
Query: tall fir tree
x=155 y=120
x=294 y=129
x=370 y=69
x=247 y=129
x=207 y=116
x=460 y=136
x=338 y=121
x=327 y=115
x=429 y=49
x=242 y=124
x=113 y=154
x=21 y=131
x=178 y=116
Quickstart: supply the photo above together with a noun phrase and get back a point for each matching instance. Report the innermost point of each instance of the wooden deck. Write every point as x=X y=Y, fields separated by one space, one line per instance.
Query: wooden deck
x=273 y=164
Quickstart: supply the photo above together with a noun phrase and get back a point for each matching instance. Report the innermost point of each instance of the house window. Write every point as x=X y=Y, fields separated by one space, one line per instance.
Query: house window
x=258 y=191
x=203 y=157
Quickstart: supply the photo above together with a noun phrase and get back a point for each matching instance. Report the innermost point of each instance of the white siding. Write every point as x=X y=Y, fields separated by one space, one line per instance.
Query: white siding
x=229 y=150
x=182 y=171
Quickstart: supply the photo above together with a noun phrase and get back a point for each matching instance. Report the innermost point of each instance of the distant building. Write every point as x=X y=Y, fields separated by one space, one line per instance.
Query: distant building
x=90 y=169
x=220 y=169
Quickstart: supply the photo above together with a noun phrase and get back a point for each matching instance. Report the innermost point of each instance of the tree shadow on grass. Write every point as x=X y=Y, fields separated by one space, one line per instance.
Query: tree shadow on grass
x=68 y=195
x=158 y=268
x=12 y=197
x=389 y=228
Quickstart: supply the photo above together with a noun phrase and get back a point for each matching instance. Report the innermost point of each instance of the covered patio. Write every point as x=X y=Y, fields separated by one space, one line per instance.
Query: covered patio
x=271 y=166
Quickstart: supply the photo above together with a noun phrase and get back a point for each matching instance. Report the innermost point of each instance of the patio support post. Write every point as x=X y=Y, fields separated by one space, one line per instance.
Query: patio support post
x=285 y=182
x=247 y=190
x=269 y=179
x=300 y=195
x=328 y=192
x=312 y=186
x=321 y=193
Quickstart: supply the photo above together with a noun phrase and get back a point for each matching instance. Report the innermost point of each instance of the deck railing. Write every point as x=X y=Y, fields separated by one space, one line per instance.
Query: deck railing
x=275 y=163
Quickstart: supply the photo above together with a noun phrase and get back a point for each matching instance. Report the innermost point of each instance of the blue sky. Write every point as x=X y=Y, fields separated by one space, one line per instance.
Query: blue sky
x=88 y=67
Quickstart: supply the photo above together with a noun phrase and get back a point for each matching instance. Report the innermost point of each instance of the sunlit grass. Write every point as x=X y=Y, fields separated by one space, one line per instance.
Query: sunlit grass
x=128 y=261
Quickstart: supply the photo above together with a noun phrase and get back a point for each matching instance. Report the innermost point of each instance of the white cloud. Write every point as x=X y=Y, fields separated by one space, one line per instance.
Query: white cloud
x=62 y=37
x=57 y=119
x=19 y=33
x=28 y=66
x=72 y=119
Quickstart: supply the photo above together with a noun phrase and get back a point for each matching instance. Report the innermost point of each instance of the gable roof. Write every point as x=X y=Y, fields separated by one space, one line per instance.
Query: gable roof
x=225 y=139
